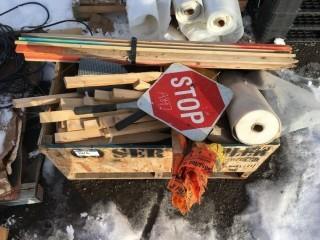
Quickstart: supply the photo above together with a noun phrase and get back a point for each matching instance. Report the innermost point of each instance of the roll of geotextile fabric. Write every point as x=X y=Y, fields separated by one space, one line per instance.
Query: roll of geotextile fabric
x=252 y=120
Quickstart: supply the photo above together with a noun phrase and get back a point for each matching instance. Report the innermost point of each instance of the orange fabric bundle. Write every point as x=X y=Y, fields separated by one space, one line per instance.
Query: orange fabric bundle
x=190 y=178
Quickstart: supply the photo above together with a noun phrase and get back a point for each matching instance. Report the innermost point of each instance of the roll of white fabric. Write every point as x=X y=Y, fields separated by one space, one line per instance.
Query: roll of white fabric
x=164 y=11
x=191 y=19
x=188 y=11
x=144 y=18
x=174 y=34
x=224 y=18
x=251 y=118
x=198 y=32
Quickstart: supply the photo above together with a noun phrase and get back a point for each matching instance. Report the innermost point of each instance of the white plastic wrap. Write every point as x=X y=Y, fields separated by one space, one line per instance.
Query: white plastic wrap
x=148 y=19
x=210 y=20
x=188 y=11
x=174 y=34
x=191 y=18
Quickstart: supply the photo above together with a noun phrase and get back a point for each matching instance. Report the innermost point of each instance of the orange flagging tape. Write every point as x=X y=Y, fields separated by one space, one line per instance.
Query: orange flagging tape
x=191 y=177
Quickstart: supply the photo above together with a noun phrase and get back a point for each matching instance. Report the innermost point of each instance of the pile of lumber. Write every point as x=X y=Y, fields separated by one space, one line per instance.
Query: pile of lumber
x=99 y=127
x=70 y=48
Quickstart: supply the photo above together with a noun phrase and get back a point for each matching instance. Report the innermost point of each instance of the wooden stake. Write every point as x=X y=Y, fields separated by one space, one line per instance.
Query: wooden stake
x=136 y=128
x=65 y=115
x=91 y=124
x=108 y=133
x=42 y=100
x=70 y=103
x=141 y=85
x=149 y=137
x=77 y=135
x=109 y=80
x=74 y=125
x=4 y=233
x=125 y=94
x=103 y=95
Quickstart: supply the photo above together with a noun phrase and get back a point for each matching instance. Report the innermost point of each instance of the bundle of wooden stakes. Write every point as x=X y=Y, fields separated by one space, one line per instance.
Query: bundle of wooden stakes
x=70 y=48
x=94 y=128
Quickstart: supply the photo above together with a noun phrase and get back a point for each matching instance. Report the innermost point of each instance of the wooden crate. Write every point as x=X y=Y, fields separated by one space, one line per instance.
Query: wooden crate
x=136 y=161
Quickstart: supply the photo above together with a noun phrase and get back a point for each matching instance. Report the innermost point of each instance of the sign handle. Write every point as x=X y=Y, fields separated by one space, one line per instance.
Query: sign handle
x=130 y=119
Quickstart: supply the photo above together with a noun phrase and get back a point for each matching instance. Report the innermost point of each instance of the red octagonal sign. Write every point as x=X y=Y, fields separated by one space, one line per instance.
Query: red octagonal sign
x=186 y=101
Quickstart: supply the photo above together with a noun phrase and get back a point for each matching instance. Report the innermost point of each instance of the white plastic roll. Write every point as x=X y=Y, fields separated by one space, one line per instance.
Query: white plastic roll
x=188 y=11
x=223 y=16
x=164 y=11
x=252 y=121
x=198 y=32
x=148 y=19
x=174 y=34
x=234 y=36
x=191 y=19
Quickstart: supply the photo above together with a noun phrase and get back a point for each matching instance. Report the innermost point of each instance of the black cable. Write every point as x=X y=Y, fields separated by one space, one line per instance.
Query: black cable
x=44 y=24
x=30 y=3
x=10 y=59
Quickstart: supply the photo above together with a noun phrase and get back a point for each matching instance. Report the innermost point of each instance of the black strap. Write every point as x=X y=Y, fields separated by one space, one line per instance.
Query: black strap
x=133 y=51
x=130 y=119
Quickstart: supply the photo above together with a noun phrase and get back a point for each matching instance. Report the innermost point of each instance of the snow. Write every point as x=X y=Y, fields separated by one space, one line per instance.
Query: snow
x=178 y=228
x=10 y=221
x=279 y=41
x=70 y=232
x=286 y=207
x=58 y=9
x=5 y=117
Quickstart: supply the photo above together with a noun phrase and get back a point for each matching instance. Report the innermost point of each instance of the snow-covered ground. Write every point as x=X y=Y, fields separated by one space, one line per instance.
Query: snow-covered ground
x=283 y=208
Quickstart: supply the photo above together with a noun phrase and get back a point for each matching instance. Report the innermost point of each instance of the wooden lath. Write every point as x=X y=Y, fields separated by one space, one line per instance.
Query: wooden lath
x=204 y=55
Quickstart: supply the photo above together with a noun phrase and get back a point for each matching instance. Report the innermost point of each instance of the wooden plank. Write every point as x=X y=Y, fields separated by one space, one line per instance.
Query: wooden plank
x=74 y=31
x=109 y=80
x=99 y=2
x=110 y=121
x=70 y=103
x=89 y=101
x=125 y=94
x=4 y=233
x=73 y=136
x=208 y=46
x=235 y=62
x=74 y=125
x=136 y=128
x=101 y=9
x=42 y=100
x=107 y=97
x=78 y=135
x=164 y=51
x=150 y=137
x=65 y=115
x=141 y=85
x=103 y=95
x=91 y=124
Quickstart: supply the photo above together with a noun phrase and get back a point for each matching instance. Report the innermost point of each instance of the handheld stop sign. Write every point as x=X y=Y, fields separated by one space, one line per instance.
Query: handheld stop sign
x=187 y=101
